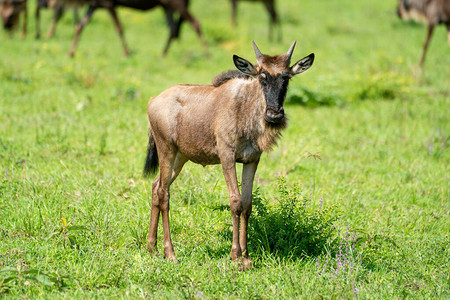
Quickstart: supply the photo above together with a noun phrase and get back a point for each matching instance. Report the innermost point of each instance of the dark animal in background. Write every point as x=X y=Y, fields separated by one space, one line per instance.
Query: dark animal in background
x=233 y=120
x=432 y=12
x=170 y=7
x=10 y=10
x=271 y=9
x=59 y=7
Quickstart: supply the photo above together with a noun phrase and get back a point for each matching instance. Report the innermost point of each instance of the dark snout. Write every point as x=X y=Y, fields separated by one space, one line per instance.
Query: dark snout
x=274 y=114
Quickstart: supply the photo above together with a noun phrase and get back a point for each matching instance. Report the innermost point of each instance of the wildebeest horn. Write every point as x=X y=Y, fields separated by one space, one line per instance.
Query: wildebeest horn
x=257 y=53
x=289 y=53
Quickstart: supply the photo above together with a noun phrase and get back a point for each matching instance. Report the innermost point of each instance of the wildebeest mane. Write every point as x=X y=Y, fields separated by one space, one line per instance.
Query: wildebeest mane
x=228 y=75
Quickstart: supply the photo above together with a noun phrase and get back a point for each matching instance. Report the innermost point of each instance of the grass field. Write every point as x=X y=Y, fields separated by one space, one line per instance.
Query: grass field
x=352 y=203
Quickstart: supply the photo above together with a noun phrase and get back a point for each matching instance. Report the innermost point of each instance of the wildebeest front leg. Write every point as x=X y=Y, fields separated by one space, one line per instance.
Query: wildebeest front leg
x=248 y=175
x=229 y=172
x=273 y=22
x=59 y=11
x=186 y=15
x=119 y=29
x=233 y=12
x=425 y=45
x=25 y=18
x=38 y=21
x=172 y=28
x=80 y=27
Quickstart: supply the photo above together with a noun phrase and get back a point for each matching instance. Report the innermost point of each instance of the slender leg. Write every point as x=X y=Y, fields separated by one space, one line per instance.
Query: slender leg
x=170 y=167
x=80 y=27
x=273 y=22
x=427 y=41
x=248 y=174
x=38 y=21
x=119 y=28
x=76 y=15
x=154 y=219
x=229 y=172
x=25 y=18
x=59 y=11
x=233 y=12
x=172 y=28
x=186 y=15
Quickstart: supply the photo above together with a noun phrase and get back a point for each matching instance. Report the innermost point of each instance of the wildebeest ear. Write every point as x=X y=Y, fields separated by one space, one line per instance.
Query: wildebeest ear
x=302 y=65
x=244 y=65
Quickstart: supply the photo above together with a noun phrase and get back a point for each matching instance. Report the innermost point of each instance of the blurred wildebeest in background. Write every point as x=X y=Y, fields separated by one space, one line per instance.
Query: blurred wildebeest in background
x=270 y=6
x=432 y=12
x=170 y=7
x=59 y=6
x=10 y=11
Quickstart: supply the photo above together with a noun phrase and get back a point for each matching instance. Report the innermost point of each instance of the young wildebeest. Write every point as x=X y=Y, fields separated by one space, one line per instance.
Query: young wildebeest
x=233 y=120
x=270 y=6
x=170 y=6
x=432 y=12
x=10 y=10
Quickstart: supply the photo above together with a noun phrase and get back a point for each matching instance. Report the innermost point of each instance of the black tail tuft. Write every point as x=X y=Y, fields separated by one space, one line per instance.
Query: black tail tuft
x=151 y=162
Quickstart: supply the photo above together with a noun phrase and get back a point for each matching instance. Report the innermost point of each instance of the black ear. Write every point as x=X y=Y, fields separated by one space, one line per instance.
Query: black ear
x=302 y=65
x=244 y=65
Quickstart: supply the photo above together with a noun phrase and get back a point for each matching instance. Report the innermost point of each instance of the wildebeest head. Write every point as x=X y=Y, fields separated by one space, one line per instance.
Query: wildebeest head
x=273 y=74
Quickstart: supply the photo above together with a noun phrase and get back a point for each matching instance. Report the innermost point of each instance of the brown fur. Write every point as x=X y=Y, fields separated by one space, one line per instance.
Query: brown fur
x=431 y=12
x=223 y=123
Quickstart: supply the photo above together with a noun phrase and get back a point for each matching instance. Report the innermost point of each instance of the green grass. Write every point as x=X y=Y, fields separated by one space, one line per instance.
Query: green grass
x=73 y=136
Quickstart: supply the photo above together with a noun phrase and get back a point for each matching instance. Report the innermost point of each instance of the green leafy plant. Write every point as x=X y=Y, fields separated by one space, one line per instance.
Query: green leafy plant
x=292 y=226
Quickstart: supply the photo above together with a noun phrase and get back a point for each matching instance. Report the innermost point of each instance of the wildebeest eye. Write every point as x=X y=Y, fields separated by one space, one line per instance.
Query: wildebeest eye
x=263 y=78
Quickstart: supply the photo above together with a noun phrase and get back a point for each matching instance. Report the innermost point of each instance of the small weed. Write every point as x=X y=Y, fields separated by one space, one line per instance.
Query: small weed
x=68 y=234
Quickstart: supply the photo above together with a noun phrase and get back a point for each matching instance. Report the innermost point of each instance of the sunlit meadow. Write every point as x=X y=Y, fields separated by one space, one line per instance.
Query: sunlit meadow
x=352 y=203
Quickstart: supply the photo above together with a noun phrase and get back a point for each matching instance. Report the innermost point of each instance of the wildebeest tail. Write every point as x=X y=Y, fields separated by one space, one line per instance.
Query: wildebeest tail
x=151 y=162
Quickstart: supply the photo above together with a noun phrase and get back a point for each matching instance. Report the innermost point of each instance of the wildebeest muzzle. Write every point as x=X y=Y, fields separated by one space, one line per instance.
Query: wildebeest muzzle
x=274 y=114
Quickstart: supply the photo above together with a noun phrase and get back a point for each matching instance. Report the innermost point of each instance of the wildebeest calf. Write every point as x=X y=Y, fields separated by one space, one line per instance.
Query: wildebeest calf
x=234 y=120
